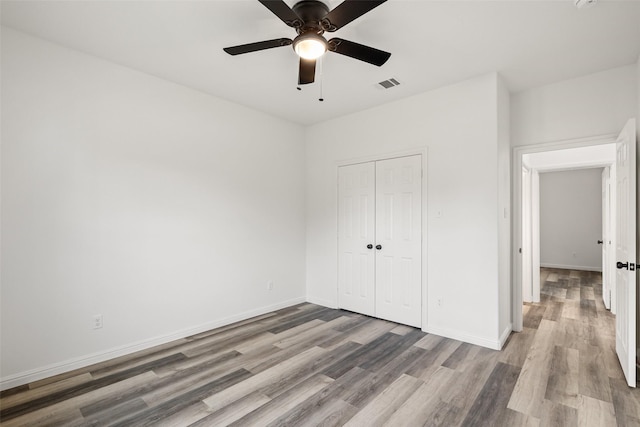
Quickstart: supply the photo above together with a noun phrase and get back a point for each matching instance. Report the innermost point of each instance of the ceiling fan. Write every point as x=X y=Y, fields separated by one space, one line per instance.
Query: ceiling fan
x=310 y=19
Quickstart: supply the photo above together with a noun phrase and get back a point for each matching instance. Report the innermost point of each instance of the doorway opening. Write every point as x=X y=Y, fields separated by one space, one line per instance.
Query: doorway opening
x=528 y=163
x=609 y=153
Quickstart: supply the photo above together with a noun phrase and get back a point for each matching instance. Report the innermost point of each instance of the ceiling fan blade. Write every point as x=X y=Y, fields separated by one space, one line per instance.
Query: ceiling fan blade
x=307 y=72
x=358 y=51
x=348 y=11
x=254 y=47
x=284 y=12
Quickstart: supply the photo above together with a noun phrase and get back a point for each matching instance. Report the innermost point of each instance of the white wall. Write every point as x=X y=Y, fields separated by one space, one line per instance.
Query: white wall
x=571 y=219
x=458 y=125
x=592 y=105
x=163 y=209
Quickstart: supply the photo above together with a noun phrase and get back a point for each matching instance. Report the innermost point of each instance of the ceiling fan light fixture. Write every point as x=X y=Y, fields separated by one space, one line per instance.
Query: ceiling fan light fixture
x=310 y=45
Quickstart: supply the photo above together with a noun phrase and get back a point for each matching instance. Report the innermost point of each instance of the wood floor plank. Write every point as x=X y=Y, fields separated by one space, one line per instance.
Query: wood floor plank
x=69 y=409
x=318 y=406
x=115 y=410
x=470 y=378
x=386 y=403
x=303 y=372
x=186 y=416
x=319 y=333
x=83 y=388
x=594 y=381
x=492 y=401
x=371 y=331
x=595 y=413
x=588 y=309
x=370 y=352
x=528 y=395
x=423 y=401
x=573 y=293
x=279 y=372
x=562 y=385
x=332 y=412
x=517 y=347
x=27 y=394
x=170 y=387
x=284 y=402
x=433 y=358
x=626 y=401
x=429 y=341
x=571 y=309
x=558 y=415
x=458 y=356
x=534 y=316
x=234 y=411
x=383 y=377
x=176 y=404
x=401 y=330
x=553 y=311
x=53 y=417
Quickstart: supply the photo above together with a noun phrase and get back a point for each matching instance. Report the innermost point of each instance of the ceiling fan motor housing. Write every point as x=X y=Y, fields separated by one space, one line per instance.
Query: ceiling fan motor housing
x=312 y=13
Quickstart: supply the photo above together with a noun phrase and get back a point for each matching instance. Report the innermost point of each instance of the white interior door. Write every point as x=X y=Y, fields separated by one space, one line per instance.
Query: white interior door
x=626 y=251
x=356 y=222
x=399 y=239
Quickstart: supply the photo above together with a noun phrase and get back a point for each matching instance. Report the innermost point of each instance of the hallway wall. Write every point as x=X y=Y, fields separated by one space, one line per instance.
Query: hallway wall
x=571 y=219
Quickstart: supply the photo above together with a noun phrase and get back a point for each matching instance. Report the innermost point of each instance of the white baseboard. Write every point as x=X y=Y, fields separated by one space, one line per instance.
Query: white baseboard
x=464 y=337
x=37 y=374
x=322 y=302
x=571 y=267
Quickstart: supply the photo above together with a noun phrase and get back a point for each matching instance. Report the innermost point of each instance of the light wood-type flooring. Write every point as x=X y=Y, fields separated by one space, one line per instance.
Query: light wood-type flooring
x=309 y=365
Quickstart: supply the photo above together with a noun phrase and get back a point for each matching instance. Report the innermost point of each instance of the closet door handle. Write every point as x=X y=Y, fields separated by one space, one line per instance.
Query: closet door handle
x=378 y=247
x=621 y=265
x=369 y=246
x=600 y=242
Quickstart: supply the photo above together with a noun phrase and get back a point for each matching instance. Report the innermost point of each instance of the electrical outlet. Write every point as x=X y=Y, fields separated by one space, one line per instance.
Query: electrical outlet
x=439 y=302
x=97 y=321
x=270 y=285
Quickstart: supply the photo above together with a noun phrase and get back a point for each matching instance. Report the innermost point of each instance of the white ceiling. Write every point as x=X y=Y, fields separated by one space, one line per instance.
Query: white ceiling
x=433 y=43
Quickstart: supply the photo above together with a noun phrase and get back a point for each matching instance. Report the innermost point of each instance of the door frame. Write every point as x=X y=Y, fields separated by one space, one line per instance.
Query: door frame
x=516 y=200
x=608 y=237
x=423 y=256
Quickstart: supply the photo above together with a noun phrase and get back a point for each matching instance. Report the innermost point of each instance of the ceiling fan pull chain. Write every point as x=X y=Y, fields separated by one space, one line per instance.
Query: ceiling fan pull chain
x=321 y=63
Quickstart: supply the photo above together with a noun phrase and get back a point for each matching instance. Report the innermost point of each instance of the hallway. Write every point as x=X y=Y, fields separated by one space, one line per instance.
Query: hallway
x=571 y=374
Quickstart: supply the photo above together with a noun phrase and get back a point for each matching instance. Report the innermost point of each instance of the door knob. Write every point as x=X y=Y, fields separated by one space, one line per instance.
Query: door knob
x=369 y=246
x=622 y=265
x=600 y=242
x=378 y=247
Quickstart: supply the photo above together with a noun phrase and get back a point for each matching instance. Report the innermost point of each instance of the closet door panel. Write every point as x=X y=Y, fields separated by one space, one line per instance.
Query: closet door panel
x=356 y=227
x=399 y=236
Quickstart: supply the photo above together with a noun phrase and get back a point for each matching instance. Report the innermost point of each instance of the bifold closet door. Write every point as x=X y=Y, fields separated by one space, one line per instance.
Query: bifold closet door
x=380 y=239
x=356 y=222
x=399 y=239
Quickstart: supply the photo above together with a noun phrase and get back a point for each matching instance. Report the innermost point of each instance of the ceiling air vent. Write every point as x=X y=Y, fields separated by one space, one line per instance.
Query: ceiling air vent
x=388 y=84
